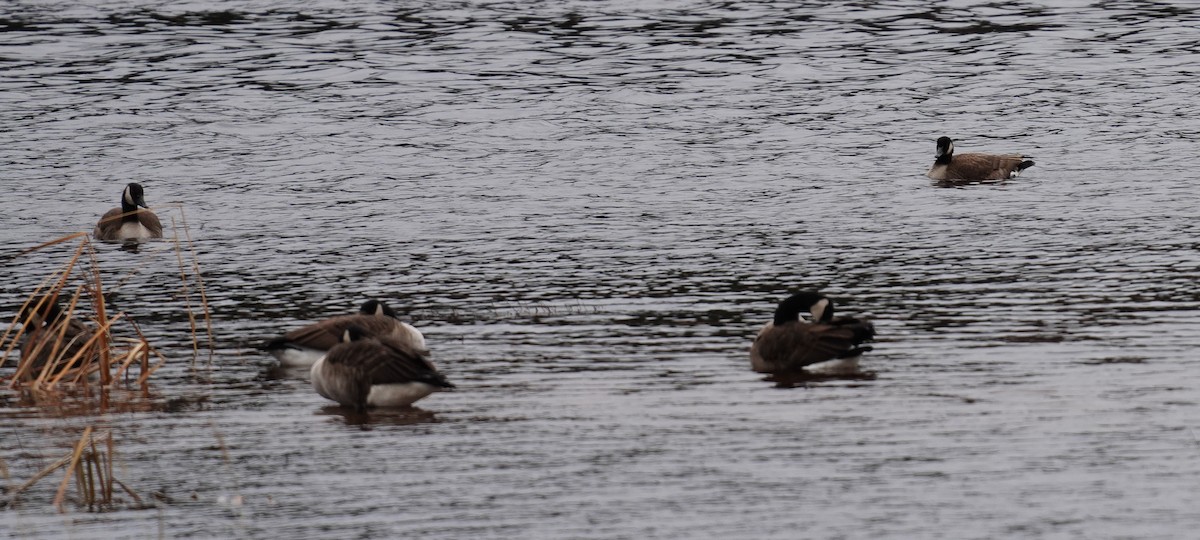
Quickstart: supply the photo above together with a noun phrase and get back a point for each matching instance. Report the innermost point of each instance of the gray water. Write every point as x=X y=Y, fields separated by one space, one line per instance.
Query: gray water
x=589 y=208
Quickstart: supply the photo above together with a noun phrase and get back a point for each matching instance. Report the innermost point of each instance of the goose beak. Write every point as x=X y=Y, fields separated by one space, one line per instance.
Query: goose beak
x=944 y=149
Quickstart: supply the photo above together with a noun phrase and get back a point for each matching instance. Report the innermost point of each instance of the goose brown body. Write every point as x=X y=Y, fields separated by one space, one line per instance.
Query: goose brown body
x=365 y=371
x=128 y=222
x=788 y=344
x=304 y=346
x=949 y=166
x=50 y=336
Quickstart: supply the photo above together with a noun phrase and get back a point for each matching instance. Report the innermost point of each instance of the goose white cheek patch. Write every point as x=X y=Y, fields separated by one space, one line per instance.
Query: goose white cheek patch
x=818 y=309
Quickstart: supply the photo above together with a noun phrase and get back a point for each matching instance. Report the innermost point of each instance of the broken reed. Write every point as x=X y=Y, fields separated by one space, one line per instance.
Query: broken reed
x=187 y=297
x=52 y=357
x=91 y=466
x=60 y=347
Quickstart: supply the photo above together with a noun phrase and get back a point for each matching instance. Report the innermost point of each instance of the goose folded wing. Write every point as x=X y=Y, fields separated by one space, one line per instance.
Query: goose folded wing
x=316 y=336
x=151 y=222
x=376 y=325
x=803 y=344
x=987 y=166
x=327 y=333
x=398 y=362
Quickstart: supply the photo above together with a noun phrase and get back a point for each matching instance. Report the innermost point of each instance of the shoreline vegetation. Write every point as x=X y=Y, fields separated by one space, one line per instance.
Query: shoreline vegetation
x=68 y=354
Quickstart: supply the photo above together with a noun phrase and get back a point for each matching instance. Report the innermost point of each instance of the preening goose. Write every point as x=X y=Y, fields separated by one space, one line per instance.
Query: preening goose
x=51 y=337
x=788 y=344
x=948 y=166
x=128 y=223
x=304 y=346
x=364 y=371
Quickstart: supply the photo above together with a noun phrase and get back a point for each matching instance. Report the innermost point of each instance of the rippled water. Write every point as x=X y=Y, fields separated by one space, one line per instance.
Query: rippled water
x=589 y=208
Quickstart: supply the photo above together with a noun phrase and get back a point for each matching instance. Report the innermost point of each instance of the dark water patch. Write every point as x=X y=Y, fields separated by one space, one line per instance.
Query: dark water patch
x=1116 y=360
x=198 y=18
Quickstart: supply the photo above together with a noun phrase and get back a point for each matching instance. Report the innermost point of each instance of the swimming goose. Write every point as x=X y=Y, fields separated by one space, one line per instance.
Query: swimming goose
x=365 y=371
x=128 y=223
x=50 y=336
x=787 y=344
x=304 y=346
x=972 y=167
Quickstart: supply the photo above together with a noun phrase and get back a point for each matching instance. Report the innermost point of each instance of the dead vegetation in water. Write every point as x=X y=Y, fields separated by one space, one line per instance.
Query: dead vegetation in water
x=90 y=465
x=63 y=335
x=68 y=353
x=66 y=338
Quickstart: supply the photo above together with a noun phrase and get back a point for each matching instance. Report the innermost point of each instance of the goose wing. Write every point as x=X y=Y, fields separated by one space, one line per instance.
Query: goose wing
x=984 y=166
x=325 y=334
x=343 y=375
x=321 y=336
x=861 y=329
x=109 y=225
x=794 y=345
x=399 y=362
x=385 y=360
x=150 y=222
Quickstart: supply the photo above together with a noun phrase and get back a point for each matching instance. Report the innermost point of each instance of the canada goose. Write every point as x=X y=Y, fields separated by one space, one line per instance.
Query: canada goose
x=128 y=223
x=304 y=346
x=973 y=167
x=788 y=343
x=365 y=371
x=50 y=336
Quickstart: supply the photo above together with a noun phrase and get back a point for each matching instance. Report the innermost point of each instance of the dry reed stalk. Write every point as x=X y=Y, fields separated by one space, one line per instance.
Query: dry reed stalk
x=144 y=377
x=59 y=280
x=145 y=357
x=99 y=335
x=92 y=356
x=141 y=351
x=12 y=498
x=221 y=443
x=134 y=353
x=52 y=296
x=85 y=482
x=187 y=297
x=108 y=486
x=92 y=468
x=75 y=358
x=53 y=242
x=74 y=462
x=136 y=500
x=212 y=340
x=199 y=287
x=93 y=478
x=58 y=348
x=99 y=307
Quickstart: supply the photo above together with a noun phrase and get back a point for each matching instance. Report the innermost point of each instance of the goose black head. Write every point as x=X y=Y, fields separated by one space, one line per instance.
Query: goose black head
x=133 y=197
x=945 y=150
x=818 y=306
x=375 y=307
x=353 y=333
x=41 y=310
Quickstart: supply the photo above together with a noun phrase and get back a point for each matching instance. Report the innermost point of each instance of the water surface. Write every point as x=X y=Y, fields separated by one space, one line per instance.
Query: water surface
x=589 y=208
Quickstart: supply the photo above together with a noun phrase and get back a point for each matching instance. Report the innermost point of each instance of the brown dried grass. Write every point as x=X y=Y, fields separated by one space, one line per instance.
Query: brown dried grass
x=52 y=359
x=91 y=466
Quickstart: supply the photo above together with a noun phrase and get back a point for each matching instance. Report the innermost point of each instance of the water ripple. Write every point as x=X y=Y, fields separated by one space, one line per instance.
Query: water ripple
x=590 y=208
